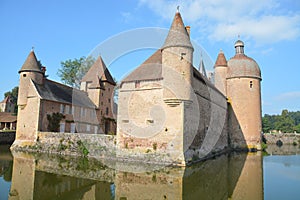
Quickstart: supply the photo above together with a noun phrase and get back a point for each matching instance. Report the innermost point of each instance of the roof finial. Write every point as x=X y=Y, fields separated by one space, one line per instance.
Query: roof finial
x=177 y=9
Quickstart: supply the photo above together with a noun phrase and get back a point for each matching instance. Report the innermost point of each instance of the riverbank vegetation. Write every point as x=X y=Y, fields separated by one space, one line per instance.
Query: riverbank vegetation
x=286 y=122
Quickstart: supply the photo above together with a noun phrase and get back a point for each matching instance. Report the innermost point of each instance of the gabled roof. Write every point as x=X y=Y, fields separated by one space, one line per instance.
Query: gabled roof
x=97 y=73
x=31 y=64
x=6 y=100
x=148 y=70
x=57 y=92
x=221 y=60
x=7 y=117
x=178 y=35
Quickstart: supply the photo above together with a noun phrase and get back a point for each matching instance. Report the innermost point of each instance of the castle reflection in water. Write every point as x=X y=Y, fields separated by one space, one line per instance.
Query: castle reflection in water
x=234 y=176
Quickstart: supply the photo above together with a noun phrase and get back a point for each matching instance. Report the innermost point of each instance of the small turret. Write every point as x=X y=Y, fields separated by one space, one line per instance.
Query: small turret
x=244 y=92
x=202 y=67
x=221 y=72
x=30 y=71
x=177 y=58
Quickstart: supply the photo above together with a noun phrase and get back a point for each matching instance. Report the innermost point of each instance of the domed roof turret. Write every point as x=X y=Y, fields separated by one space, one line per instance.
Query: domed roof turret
x=241 y=65
x=239 y=43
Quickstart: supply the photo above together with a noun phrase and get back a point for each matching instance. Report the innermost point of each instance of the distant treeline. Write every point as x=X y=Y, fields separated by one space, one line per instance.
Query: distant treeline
x=287 y=122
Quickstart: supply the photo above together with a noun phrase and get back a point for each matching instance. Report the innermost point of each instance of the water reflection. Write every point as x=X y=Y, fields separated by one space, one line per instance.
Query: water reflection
x=235 y=176
x=6 y=165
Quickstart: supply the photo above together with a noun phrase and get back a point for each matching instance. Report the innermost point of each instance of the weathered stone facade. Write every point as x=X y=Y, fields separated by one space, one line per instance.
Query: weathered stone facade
x=168 y=112
x=81 y=111
x=168 y=107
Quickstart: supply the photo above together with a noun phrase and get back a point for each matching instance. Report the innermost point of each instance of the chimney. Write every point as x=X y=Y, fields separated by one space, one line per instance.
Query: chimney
x=43 y=68
x=188 y=29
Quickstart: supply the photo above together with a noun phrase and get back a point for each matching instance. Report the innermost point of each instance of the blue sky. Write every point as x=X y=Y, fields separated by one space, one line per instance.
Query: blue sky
x=61 y=30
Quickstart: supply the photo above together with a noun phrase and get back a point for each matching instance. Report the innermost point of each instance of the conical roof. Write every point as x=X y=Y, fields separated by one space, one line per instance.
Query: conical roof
x=98 y=73
x=178 y=35
x=221 y=60
x=31 y=64
x=202 y=68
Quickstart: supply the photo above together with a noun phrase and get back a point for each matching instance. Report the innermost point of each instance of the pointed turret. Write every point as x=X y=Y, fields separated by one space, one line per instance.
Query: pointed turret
x=221 y=60
x=177 y=59
x=31 y=64
x=98 y=73
x=178 y=36
x=98 y=83
x=30 y=71
x=202 y=68
x=221 y=72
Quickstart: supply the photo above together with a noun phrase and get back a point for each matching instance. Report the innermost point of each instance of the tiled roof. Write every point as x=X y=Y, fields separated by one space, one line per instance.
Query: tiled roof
x=149 y=70
x=178 y=35
x=221 y=60
x=54 y=91
x=243 y=66
x=7 y=117
x=31 y=64
x=97 y=73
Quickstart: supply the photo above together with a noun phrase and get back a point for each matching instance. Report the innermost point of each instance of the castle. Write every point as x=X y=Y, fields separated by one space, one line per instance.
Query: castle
x=168 y=111
x=168 y=107
x=88 y=110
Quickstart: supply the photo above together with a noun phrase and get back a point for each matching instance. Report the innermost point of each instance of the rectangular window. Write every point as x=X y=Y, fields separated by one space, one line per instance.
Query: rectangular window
x=82 y=112
x=67 y=111
x=95 y=129
x=88 y=128
x=62 y=127
x=73 y=127
x=73 y=110
x=62 y=108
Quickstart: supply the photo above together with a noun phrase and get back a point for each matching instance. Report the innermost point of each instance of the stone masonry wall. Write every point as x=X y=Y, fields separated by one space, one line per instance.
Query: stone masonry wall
x=283 y=138
x=75 y=144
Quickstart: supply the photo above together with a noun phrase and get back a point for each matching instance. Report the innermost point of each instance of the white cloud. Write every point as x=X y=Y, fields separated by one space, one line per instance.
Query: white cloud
x=289 y=96
x=265 y=21
x=126 y=16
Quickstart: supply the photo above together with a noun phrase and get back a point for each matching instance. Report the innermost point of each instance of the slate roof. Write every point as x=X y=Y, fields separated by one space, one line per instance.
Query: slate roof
x=57 y=92
x=221 y=60
x=178 y=35
x=31 y=64
x=97 y=74
x=7 y=117
x=148 y=70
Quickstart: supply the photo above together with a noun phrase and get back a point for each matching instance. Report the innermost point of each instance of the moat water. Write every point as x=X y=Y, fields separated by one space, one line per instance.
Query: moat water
x=272 y=175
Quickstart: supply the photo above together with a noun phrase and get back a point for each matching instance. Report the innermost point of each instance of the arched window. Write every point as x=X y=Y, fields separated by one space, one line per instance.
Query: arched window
x=251 y=84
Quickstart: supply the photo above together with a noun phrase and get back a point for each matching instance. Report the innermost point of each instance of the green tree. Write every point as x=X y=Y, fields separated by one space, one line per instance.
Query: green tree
x=266 y=124
x=284 y=122
x=297 y=128
x=72 y=71
x=14 y=96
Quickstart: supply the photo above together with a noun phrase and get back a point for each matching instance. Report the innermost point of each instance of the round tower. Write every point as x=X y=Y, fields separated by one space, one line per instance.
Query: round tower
x=221 y=72
x=177 y=58
x=244 y=94
x=30 y=70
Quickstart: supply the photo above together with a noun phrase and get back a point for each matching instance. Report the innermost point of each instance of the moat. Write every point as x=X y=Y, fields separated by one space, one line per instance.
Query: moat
x=273 y=175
